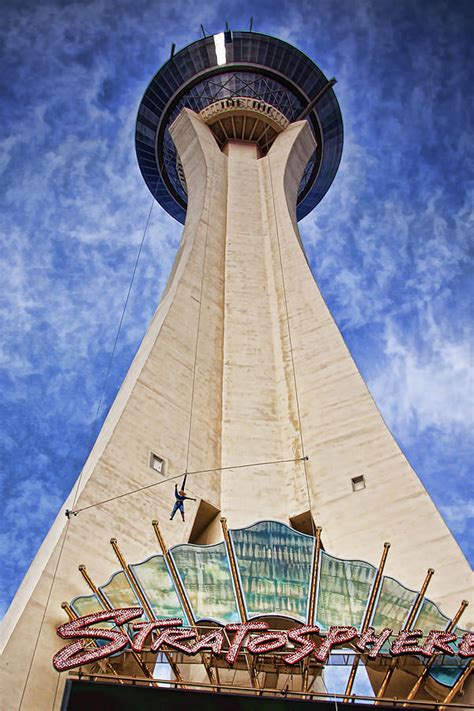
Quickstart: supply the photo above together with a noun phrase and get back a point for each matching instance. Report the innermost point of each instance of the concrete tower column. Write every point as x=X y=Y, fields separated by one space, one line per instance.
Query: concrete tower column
x=241 y=364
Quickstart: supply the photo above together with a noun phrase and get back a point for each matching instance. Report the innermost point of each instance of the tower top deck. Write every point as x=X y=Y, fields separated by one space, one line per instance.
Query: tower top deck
x=230 y=78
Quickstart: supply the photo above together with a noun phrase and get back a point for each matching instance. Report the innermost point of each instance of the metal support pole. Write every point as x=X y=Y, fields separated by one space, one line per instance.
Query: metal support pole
x=411 y=618
x=174 y=574
x=143 y=601
x=458 y=685
x=314 y=101
x=312 y=599
x=419 y=599
x=94 y=588
x=314 y=577
x=414 y=690
x=105 y=603
x=239 y=593
x=368 y=616
x=234 y=571
x=181 y=594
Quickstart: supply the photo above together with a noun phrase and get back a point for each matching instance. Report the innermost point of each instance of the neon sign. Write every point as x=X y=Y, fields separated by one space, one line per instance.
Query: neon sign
x=254 y=636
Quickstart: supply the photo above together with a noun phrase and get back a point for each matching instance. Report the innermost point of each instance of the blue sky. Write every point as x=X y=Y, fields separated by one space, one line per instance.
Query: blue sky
x=389 y=245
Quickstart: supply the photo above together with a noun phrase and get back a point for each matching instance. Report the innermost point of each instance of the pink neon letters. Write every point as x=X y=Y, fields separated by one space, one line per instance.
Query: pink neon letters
x=253 y=636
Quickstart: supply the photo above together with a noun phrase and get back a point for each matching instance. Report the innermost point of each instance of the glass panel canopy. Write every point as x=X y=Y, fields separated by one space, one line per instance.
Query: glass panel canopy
x=393 y=606
x=118 y=591
x=158 y=587
x=344 y=589
x=206 y=576
x=274 y=562
x=86 y=605
x=430 y=617
x=274 y=565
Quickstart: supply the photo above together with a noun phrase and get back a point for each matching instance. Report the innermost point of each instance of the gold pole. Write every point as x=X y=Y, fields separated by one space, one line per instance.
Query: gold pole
x=174 y=573
x=411 y=618
x=414 y=690
x=234 y=571
x=314 y=578
x=132 y=579
x=367 y=616
x=419 y=599
x=458 y=685
x=93 y=587
x=240 y=596
x=143 y=601
x=107 y=606
x=182 y=594
x=69 y=611
x=312 y=599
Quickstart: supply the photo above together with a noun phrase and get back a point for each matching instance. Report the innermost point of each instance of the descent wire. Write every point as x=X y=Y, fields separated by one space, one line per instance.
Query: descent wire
x=122 y=317
x=201 y=292
x=77 y=486
x=178 y=476
x=290 y=343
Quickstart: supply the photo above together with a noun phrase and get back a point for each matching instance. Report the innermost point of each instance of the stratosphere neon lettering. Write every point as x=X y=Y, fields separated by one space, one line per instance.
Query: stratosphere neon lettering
x=253 y=636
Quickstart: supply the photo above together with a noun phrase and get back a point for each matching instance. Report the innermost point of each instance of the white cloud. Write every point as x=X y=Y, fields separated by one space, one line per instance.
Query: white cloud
x=427 y=379
x=459 y=515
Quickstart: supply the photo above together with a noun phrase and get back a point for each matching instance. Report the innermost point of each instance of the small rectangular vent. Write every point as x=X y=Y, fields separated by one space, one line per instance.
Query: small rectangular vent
x=157 y=463
x=358 y=483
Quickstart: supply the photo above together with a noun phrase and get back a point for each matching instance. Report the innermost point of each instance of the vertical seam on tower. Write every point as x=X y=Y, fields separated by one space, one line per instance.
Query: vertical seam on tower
x=196 y=348
x=290 y=343
x=283 y=388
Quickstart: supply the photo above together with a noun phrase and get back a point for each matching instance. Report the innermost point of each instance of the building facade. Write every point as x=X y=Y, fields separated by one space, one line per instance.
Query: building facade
x=243 y=382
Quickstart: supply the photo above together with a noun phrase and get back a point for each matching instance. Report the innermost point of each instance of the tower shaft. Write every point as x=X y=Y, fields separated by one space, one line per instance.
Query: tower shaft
x=241 y=365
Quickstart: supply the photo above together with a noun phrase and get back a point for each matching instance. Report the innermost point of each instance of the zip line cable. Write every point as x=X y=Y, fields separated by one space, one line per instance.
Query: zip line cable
x=77 y=486
x=178 y=476
x=290 y=342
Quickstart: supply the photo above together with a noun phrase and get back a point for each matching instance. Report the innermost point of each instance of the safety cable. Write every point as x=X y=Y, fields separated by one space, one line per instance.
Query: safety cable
x=193 y=386
x=290 y=343
x=303 y=458
x=178 y=476
x=121 y=319
x=78 y=483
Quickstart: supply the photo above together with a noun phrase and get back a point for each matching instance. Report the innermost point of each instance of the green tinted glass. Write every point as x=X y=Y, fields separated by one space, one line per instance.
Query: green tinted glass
x=393 y=606
x=158 y=588
x=274 y=562
x=344 y=589
x=86 y=605
x=118 y=591
x=207 y=580
x=430 y=618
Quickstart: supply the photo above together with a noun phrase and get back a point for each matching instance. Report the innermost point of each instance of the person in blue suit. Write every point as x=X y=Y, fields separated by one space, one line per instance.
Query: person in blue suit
x=179 y=504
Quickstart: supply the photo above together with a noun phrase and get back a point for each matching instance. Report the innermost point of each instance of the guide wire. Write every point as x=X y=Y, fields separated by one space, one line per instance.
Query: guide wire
x=178 y=476
x=77 y=485
x=43 y=617
x=112 y=355
x=290 y=342
x=201 y=292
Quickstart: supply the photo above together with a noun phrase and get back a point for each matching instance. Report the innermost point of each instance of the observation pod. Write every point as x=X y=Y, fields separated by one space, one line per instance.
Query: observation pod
x=245 y=86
